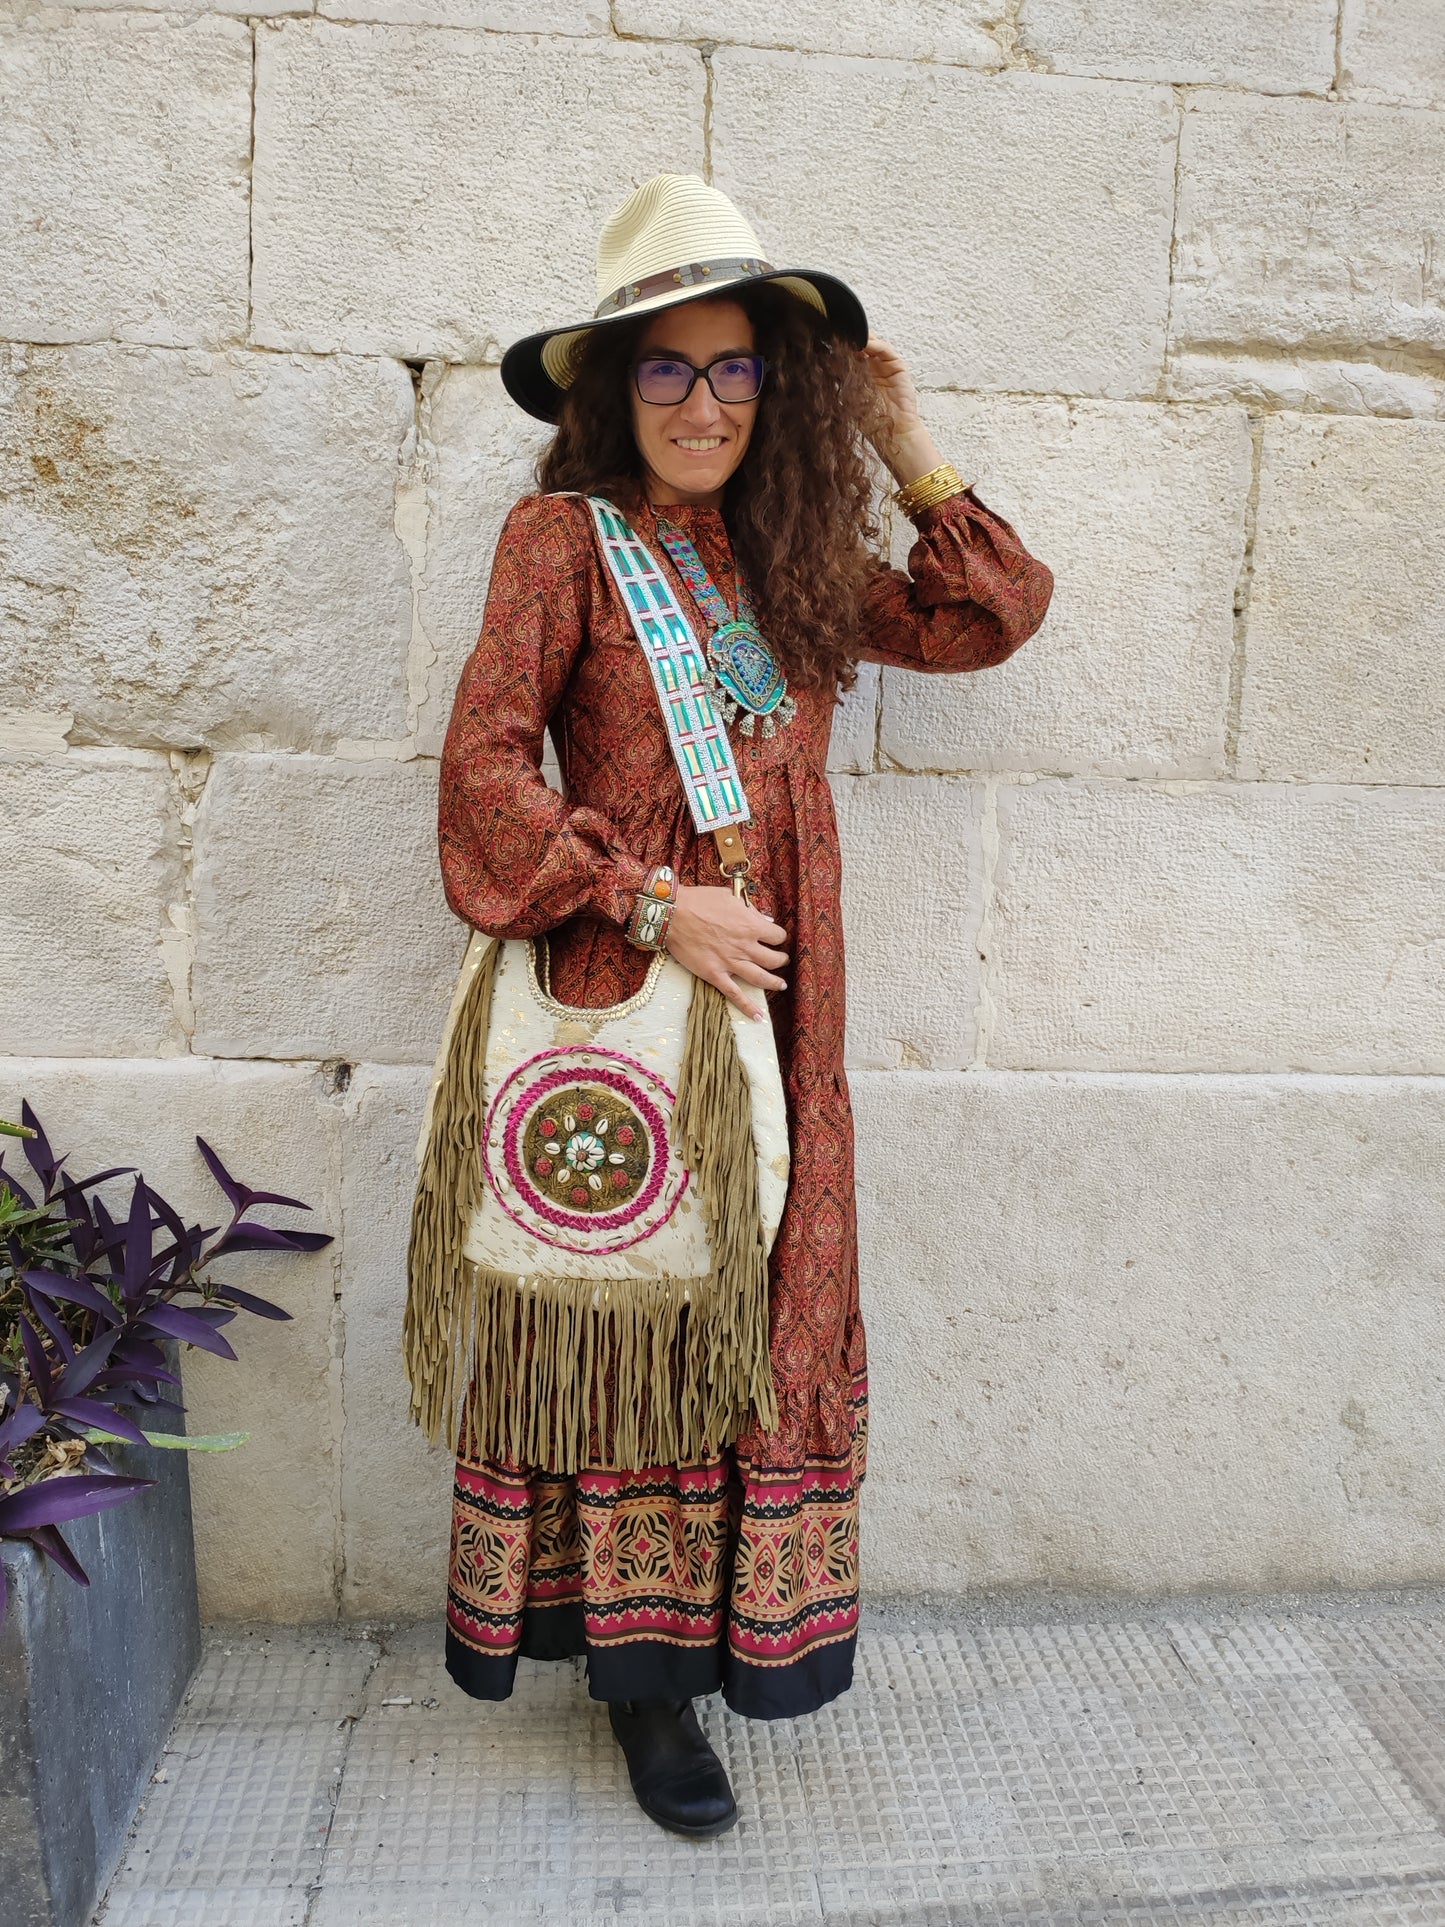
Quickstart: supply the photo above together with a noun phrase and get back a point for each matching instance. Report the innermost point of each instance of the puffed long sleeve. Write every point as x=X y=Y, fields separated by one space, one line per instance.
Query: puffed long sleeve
x=517 y=857
x=972 y=595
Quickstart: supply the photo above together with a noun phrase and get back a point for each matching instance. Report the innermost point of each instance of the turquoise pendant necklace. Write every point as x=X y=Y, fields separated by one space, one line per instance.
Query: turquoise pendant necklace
x=744 y=676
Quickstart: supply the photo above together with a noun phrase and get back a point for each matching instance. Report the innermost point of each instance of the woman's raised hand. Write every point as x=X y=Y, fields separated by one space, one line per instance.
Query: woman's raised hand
x=903 y=443
x=720 y=937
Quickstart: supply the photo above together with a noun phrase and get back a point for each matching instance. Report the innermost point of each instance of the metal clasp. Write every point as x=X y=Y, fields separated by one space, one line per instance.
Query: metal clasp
x=741 y=882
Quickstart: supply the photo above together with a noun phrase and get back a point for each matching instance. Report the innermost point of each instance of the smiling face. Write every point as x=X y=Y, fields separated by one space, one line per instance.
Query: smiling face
x=689 y=449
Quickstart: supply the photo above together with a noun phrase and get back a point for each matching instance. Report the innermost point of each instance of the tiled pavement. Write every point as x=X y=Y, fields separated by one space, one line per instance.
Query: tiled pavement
x=1229 y=1767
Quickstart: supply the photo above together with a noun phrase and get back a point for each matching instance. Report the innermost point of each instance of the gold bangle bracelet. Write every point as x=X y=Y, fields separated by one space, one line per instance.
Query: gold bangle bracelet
x=926 y=480
x=936 y=486
x=918 y=503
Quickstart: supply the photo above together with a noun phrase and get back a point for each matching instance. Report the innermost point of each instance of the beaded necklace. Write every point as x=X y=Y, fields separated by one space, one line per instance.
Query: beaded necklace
x=742 y=673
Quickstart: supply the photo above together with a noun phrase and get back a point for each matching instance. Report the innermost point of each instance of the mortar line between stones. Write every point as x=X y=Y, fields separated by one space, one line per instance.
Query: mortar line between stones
x=1195 y=1076
x=1243 y=592
x=1339 y=80
x=1417 y=359
x=251 y=198
x=361 y=753
x=1016 y=57
x=1017 y=60
x=706 y=51
x=1012 y=58
x=1008 y=31
x=335 y=1123
x=190 y=771
x=411 y=520
x=1180 y=102
x=1421 y=360
x=984 y=1007
x=1020 y=61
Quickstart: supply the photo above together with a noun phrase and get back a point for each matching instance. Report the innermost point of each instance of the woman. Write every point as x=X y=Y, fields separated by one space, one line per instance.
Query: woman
x=718 y=401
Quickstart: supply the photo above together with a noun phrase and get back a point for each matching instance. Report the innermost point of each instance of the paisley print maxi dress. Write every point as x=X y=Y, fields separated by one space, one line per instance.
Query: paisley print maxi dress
x=739 y=1572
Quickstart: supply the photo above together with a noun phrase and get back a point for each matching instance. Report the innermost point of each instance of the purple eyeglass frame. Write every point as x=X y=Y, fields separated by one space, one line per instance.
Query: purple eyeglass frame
x=706 y=374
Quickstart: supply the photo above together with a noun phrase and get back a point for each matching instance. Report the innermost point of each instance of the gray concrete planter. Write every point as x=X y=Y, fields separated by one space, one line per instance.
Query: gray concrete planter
x=90 y=1679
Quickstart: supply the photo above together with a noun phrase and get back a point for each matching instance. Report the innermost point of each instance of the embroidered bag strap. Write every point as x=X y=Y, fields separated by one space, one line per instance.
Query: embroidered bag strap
x=705 y=591
x=700 y=745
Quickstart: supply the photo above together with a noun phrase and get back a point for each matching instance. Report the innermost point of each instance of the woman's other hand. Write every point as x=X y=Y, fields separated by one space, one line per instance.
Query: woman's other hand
x=718 y=936
x=904 y=445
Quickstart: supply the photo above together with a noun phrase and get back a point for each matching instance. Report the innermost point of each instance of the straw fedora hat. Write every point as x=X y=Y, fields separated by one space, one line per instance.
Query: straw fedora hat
x=673 y=239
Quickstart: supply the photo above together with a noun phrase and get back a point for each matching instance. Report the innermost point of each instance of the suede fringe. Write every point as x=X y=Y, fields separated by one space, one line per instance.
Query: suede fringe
x=671 y=1367
x=712 y=1129
x=439 y=1309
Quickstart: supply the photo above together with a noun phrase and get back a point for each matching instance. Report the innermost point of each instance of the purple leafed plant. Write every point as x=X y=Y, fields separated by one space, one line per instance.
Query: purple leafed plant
x=87 y=1302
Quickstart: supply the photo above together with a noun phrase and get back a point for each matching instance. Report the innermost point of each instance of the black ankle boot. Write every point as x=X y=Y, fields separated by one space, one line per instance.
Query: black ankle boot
x=678 y=1779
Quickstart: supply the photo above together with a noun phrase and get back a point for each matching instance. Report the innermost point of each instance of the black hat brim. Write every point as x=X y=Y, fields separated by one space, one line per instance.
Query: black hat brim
x=527 y=382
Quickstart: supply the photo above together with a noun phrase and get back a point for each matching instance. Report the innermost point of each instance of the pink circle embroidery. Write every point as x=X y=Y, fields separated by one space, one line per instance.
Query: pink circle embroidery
x=537 y=1200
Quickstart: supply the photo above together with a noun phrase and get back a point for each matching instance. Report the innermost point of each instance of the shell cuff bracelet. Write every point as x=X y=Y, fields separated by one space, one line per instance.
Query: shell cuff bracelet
x=652 y=911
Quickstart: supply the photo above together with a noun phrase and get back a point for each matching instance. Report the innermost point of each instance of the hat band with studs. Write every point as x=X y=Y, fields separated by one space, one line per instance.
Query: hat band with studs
x=692 y=275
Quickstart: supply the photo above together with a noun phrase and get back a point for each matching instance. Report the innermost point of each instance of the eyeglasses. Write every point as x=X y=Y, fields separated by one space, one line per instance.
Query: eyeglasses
x=667 y=380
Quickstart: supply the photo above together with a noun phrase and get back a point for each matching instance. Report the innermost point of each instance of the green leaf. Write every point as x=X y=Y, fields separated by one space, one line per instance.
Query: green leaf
x=176 y=1441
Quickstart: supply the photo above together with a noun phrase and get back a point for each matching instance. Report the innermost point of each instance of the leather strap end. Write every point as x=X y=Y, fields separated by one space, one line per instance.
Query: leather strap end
x=731 y=850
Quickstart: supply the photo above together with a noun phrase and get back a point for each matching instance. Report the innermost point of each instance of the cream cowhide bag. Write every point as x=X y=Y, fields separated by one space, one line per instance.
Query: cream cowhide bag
x=597 y=1196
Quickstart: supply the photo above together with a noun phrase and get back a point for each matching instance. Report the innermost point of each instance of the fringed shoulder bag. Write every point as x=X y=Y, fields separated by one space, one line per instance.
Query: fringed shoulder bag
x=598 y=1189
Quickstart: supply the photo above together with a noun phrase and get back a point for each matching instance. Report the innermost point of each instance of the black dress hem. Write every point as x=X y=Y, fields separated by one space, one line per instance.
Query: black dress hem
x=653 y=1669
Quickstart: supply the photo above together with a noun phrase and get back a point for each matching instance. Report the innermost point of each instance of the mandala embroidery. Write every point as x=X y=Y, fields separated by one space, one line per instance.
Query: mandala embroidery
x=577 y=1150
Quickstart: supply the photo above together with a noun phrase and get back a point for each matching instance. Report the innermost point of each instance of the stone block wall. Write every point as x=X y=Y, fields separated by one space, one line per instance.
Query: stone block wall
x=1149 y=1075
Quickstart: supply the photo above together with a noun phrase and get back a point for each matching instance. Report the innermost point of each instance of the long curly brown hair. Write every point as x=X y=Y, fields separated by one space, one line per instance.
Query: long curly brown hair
x=800 y=506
